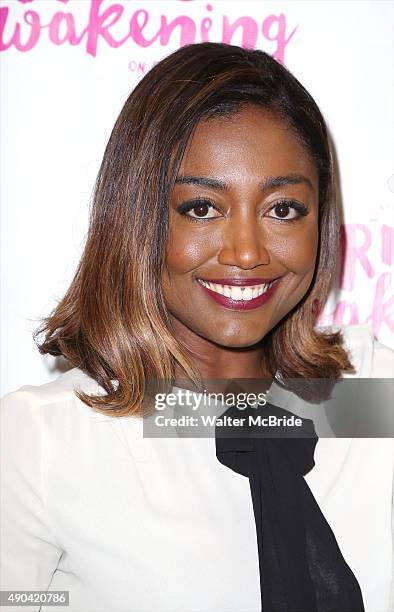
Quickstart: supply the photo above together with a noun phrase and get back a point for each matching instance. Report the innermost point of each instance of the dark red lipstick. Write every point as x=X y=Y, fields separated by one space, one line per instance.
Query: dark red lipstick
x=239 y=282
x=240 y=304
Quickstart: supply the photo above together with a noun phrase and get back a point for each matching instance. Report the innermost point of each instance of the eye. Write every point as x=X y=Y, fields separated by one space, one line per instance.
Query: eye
x=201 y=208
x=284 y=208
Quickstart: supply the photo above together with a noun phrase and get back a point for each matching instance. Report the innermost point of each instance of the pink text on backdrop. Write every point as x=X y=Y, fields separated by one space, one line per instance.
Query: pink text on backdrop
x=358 y=260
x=62 y=28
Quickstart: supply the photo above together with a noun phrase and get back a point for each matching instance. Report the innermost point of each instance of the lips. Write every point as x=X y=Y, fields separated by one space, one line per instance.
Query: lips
x=240 y=294
x=239 y=282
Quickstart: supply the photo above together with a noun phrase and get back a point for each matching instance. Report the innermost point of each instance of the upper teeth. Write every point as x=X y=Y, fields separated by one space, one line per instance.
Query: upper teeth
x=238 y=293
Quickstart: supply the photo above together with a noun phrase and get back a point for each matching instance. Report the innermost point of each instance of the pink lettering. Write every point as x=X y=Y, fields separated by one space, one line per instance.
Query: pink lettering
x=353 y=253
x=387 y=244
x=97 y=26
x=136 y=28
x=206 y=25
x=355 y=242
x=54 y=29
x=249 y=31
x=32 y=19
x=280 y=35
x=345 y=313
x=382 y=312
x=62 y=28
x=188 y=30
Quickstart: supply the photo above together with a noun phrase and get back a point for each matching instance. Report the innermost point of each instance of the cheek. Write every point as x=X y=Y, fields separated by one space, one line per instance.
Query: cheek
x=297 y=251
x=185 y=252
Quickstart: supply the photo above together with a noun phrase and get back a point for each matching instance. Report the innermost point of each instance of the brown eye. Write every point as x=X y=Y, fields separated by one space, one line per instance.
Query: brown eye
x=288 y=210
x=282 y=210
x=200 y=210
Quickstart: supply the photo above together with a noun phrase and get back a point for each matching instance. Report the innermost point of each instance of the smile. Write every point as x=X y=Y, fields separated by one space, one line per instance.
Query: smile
x=239 y=298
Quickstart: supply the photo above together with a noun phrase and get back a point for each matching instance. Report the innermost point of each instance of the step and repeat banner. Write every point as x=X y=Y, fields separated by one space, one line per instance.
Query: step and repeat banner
x=67 y=67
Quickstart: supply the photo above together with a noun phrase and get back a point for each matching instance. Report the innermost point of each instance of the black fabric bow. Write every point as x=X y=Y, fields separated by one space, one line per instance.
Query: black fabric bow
x=301 y=566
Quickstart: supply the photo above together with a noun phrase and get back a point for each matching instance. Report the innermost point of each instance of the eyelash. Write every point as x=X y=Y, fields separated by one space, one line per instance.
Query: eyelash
x=187 y=206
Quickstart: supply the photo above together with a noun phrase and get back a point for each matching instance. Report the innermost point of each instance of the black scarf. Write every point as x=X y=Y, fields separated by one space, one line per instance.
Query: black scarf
x=301 y=566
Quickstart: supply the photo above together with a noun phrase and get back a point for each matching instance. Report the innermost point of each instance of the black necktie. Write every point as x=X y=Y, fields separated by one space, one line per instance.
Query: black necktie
x=301 y=566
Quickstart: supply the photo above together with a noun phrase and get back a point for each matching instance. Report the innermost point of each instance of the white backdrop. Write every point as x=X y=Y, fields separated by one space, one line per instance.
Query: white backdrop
x=67 y=67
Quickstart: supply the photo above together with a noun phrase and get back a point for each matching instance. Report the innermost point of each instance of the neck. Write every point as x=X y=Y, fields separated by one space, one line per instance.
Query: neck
x=216 y=362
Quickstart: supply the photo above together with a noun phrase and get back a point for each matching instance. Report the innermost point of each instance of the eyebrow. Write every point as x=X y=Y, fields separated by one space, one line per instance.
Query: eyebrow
x=268 y=183
x=202 y=181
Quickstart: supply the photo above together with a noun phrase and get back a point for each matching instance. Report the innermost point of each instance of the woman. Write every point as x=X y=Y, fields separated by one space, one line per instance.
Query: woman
x=210 y=245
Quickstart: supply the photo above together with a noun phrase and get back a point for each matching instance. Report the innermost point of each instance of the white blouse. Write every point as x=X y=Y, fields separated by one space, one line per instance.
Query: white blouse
x=127 y=523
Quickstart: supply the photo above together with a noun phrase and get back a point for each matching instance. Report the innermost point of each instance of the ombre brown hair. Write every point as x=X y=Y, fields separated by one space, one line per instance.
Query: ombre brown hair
x=113 y=323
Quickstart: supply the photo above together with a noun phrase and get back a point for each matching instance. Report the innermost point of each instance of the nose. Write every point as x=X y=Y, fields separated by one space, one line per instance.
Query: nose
x=244 y=244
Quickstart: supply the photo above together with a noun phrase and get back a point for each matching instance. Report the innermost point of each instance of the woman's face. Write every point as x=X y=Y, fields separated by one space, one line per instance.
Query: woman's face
x=243 y=214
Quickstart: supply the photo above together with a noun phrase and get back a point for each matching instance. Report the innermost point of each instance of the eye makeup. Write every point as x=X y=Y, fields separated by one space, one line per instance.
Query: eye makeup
x=205 y=203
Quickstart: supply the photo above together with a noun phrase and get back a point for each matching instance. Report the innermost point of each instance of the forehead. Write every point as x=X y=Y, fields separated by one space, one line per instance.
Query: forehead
x=251 y=142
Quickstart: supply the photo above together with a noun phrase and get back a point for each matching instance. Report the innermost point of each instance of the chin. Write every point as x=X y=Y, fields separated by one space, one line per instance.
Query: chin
x=238 y=340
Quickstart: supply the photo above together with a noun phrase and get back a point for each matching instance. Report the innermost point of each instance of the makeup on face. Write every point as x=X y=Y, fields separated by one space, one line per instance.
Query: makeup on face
x=240 y=293
x=243 y=226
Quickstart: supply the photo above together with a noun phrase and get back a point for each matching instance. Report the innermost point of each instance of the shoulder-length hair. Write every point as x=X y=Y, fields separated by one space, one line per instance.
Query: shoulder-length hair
x=112 y=322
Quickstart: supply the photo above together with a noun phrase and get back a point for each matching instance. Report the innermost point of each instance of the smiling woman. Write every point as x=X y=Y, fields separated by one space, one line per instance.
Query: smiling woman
x=230 y=133
x=212 y=235
x=243 y=233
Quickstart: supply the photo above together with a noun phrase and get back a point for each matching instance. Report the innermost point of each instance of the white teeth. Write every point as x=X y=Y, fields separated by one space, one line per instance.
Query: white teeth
x=238 y=293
